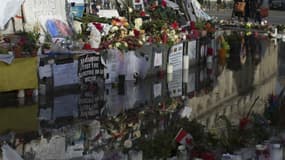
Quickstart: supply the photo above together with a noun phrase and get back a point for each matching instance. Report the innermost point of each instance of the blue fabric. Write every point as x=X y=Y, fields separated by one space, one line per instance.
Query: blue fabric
x=52 y=28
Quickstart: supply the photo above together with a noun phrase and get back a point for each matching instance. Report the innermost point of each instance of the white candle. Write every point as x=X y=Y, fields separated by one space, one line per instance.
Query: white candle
x=21 y=94
x=169 y=68
x=185 y=76
x=35 y=92
x=42 y=88
x=185 y=62
x=169 y=77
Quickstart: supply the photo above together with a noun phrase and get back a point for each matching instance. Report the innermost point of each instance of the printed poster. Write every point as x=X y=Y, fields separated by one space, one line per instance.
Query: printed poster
x=176 y=56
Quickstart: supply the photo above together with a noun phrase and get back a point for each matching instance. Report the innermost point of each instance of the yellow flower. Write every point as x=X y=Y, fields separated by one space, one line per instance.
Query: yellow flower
x=137 y=134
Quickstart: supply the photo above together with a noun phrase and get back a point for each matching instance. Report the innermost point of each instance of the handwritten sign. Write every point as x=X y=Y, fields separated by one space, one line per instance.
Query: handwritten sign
x=176 y=56
x=90 y=68
x=35 y=10
x=65 y=74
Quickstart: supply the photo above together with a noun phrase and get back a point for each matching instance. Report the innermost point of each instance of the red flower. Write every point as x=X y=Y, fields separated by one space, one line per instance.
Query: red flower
x=192 y=25
x=142 y=14
x=163 y=3
x=150 y=39
x=99 y=26
x=175 y=25
x=207 y=156
x=136 y=33
x=164 y=38
x=193 y=35
x=243 y=123
x=87 y=46
x=210 y=51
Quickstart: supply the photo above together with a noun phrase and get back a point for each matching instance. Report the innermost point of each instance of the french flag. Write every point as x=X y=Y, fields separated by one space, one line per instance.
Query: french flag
x=184 y=138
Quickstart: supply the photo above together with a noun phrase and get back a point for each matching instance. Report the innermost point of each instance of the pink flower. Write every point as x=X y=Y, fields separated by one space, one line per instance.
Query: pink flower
x=163 y=3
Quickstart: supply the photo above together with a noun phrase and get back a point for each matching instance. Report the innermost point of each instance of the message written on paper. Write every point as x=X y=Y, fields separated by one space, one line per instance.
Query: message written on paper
x=35 y=10
x=176 y=56
x=65 y=74
x=90 y=68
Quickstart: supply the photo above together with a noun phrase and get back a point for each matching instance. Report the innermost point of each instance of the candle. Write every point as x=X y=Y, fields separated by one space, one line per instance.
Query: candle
x=185 y=62
x=185 y=76
x=169 y=77
x=21 y=94
x=169 y=68
x=35 y=92
x=42 y=89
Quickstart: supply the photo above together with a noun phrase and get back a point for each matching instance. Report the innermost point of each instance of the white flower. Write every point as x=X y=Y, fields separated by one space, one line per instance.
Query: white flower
x=130 y=9
x=128 y=143
x=117 y=44
x=114 y=28
x=138 y=23
x=137 y=134
x=131 y=33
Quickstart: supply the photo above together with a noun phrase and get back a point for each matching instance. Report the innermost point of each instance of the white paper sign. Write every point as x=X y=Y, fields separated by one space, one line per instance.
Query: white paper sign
x=175 y=86
x=45 y=71
x=176 y=57
x=110 y=13
x=157 y=90
x=198 y=11
x=157 y=59
x=35 y=10
x=65 y=74
x=75 y=1
x=192 y=50
x=191 y=82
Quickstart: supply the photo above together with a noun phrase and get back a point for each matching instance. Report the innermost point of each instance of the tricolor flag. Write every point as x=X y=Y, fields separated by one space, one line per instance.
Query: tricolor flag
x=183 y=137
